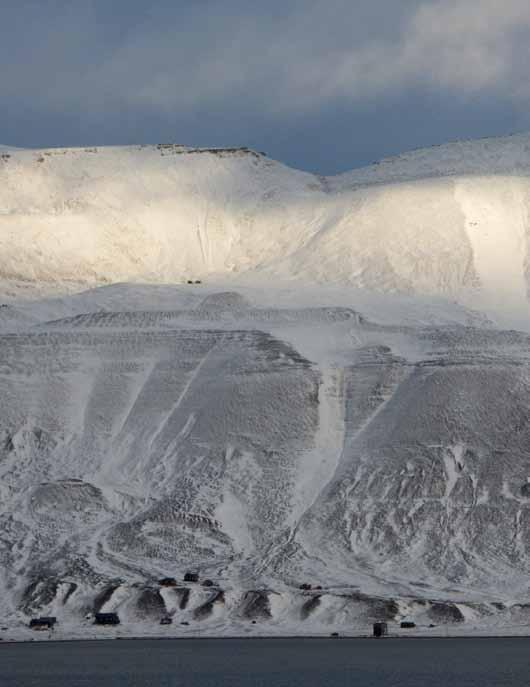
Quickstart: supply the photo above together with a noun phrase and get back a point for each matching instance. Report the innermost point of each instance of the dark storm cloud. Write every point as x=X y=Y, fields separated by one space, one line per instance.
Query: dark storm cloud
x=322 y=85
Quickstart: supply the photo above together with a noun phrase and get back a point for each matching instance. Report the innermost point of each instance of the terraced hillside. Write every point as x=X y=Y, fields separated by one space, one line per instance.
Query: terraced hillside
x=263 y=447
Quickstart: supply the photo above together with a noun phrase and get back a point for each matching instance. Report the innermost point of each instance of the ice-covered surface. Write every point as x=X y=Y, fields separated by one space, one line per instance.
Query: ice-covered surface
x=279 y=423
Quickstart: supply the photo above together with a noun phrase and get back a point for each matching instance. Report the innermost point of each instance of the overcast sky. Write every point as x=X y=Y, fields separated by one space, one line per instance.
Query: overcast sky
x=323 y=85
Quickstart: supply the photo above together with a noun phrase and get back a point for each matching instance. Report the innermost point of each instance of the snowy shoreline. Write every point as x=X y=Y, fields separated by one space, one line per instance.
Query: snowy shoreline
x=417 y=633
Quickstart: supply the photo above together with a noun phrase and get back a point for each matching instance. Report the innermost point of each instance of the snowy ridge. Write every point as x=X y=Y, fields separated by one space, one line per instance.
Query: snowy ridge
x=450 y=221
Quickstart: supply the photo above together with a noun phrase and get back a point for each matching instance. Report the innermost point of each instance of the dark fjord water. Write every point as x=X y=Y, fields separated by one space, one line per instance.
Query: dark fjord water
x=269 y=663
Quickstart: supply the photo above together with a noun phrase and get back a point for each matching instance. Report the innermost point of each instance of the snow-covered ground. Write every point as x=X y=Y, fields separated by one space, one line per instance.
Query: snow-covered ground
x=343 y=400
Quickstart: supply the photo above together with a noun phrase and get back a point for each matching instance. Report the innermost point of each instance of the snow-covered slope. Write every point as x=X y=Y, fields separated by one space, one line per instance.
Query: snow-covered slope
x=450 y=221
x=319 y=410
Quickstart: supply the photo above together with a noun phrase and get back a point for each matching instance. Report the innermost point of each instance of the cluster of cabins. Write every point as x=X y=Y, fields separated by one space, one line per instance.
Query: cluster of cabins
x=380 y=629
x=188 y=577
x=48 y=622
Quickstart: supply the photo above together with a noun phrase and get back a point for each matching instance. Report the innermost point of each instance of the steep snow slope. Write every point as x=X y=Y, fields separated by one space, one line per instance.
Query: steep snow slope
x=263 y=446
x=450 y=221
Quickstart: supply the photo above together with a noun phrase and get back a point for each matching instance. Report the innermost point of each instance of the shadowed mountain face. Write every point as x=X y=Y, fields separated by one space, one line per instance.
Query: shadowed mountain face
x=391 y=464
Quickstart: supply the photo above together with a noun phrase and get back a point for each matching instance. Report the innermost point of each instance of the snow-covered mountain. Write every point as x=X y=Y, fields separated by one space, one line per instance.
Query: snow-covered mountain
x=450 y=221
x=335 y=403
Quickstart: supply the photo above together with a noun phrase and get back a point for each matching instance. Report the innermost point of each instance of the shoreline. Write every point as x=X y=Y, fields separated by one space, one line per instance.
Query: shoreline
x=58 y=640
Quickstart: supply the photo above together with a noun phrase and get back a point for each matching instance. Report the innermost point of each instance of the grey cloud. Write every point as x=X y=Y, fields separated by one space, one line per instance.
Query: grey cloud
x=312 y=55
x=100 y=69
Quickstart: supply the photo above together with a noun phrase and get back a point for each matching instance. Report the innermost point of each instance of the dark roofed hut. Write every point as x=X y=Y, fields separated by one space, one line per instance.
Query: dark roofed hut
x=167 y=582
x=380 y=629
x=191 y=577
x=106 y=619
x=45 y=623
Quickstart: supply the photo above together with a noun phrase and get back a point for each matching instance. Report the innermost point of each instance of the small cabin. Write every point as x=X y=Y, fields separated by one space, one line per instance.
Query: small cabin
x=106 y=619
x=191 y=577
x=46 y=623
x=380 y=629
x=407 y=624
x=167 y=582
x=166 y=620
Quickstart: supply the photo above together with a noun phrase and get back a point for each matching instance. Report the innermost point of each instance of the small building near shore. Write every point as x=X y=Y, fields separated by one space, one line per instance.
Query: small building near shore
x=380 y=629
x=45 y=623
x=106 y=619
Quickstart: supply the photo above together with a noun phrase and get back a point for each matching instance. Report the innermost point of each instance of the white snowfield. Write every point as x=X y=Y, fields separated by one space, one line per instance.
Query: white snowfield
x=450 y=221
x=342 y=402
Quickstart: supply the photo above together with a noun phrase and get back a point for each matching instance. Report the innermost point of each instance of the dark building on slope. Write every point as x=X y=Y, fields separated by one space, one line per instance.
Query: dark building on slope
x=106 y=619
x=191 y=577
x=45 y=623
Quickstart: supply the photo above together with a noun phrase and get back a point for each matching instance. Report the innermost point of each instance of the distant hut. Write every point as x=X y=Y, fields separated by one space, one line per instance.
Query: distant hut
x=46 y=623
x=166 y=620
x=167 y=582
x=191 y=577
x=407 y=624
x=106 y=619
x=380 y=629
